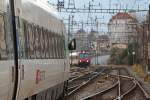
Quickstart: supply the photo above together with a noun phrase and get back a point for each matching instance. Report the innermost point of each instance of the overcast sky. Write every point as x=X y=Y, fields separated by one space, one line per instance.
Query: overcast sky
x=104 y=18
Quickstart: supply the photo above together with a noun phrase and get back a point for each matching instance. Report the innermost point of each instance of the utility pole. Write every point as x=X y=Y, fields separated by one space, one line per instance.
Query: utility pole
x=70 y=31
x=71 y=25
x=71 y=4
x=60 y=4
x=149 y=42
x=69 y=28
x=96 y=21
x=69 y=19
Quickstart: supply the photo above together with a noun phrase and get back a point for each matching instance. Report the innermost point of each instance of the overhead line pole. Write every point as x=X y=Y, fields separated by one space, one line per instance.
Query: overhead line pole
x=100 y=10
x=149 y=42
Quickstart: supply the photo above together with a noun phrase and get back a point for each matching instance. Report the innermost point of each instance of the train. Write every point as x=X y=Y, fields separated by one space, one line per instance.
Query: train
x=81 y=58
x=34 y=51
x=84 y=58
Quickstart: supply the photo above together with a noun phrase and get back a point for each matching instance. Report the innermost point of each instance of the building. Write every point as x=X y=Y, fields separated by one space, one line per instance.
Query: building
x=122 y=29
x=81 y=40
x=142 y=43
x=103 y=43
x=92 y=36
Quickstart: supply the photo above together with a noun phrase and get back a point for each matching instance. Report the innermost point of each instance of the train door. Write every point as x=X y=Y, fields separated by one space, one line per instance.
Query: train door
x=26 y=73
x=23 y=61
x=7 y=66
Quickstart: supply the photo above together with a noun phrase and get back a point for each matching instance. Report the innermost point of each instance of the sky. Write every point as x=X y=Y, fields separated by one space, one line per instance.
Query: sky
x=102 y=18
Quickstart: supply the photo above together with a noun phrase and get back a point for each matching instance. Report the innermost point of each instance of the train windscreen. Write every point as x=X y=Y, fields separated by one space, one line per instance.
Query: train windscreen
x=83 y=55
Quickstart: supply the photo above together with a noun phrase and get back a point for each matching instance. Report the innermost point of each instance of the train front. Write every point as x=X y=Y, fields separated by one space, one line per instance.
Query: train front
x=84 y=59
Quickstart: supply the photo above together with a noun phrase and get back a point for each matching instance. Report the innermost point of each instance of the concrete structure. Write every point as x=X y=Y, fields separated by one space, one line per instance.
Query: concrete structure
x=122 y=28
x=81 y=40
x=92 y=36
x=142 y=43
x=103 y=43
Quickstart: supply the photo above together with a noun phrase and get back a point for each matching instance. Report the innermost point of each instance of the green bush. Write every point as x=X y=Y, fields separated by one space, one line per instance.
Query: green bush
x=122 y=56
x=118 y=56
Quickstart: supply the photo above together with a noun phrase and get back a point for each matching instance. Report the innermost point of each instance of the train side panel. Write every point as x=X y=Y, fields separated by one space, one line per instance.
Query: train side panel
x=42 y=52
x=40 y=75
x=6 y=52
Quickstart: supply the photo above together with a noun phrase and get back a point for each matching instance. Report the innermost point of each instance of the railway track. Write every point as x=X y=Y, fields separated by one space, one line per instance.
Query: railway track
x=125 y=88
x=79 y=82
x=88 y=83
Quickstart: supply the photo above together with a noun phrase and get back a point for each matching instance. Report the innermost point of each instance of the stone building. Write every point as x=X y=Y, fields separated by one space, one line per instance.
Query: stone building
x=103 y=43
x=92 y=36
x=81 y=40
x=122 y=29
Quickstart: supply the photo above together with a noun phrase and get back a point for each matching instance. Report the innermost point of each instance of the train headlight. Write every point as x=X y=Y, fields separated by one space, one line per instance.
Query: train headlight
x=87 y=61
x=80 y=61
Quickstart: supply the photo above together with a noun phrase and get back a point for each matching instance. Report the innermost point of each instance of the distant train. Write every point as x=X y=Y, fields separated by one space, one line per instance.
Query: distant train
x=34 y=61
x=82 y=58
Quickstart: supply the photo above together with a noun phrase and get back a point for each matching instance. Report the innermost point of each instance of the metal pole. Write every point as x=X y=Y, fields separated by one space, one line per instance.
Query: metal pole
x=97 y=55
x=68 y=27
x=69 y=35
x=12 y=9
x=97 y=44
x=149 y=42
x=133 y=59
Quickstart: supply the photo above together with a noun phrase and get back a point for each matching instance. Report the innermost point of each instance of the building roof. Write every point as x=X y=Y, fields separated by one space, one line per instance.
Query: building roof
x=123 y=15
x=81 y=31
x=103 y=37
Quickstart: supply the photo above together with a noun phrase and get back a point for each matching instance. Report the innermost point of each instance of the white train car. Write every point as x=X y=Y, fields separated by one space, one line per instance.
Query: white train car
x=33 y=59
x=74 y=58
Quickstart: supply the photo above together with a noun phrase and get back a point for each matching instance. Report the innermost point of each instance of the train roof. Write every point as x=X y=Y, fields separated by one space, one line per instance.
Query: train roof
x=3 y=6
x=39 y=13
x=43 y=4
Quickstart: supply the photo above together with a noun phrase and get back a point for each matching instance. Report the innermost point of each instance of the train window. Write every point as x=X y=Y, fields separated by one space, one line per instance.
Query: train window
x=25 y=34
x=28 y=45
x=41 y=43
x=64 y=49
x=59 y=47
x=62 y=46
x=21 y=38
x=39 y=46
x=37 y=42
x=31 y=41
x=47 y=44
x=28 y=40
x=62 y=43
x=3 y=54
x=56 y=46
x=44 y=44
x=53 y=46
x=50 y=47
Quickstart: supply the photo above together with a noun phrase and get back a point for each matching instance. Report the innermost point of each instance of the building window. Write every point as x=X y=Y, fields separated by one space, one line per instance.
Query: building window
x=3 y=54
